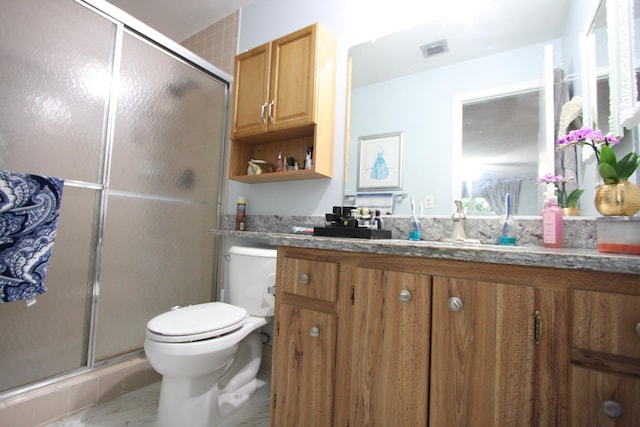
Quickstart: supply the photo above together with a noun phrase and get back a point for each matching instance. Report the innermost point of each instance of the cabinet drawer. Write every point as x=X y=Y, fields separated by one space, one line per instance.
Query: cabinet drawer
x=314 y=279
x=602 y=399
x=607 y=323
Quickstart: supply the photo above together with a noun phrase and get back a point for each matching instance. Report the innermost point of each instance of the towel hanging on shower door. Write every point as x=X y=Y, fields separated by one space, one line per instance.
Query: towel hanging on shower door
x=29 y=211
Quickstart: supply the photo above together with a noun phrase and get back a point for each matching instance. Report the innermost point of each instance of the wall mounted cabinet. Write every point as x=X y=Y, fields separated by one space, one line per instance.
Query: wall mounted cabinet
x=422 y=342
x=283 y=102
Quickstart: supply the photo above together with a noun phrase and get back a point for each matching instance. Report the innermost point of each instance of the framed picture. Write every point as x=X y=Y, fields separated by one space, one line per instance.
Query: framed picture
x=380 y=162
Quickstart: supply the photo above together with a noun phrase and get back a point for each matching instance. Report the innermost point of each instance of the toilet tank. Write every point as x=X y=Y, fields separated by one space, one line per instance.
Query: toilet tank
x=251 y=272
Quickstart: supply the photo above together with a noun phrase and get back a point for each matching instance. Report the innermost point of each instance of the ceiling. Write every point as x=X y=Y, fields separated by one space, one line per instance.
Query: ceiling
x=179 y=19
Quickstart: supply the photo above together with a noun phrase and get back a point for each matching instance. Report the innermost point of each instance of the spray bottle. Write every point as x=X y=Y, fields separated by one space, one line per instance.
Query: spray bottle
x=241 y=211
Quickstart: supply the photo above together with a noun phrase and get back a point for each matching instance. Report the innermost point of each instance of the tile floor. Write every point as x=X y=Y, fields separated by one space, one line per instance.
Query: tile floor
x=138 y=409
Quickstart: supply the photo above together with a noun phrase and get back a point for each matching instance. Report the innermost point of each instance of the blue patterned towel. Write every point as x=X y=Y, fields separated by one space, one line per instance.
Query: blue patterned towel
x=29 y=210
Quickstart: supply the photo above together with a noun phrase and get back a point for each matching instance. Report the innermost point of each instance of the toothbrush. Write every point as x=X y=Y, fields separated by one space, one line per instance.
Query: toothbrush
x=413 y=212
x=507 y=203
x=415 y=233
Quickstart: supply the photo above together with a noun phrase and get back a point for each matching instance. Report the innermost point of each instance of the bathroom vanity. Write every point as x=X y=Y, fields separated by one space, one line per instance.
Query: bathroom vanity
x=416 y=334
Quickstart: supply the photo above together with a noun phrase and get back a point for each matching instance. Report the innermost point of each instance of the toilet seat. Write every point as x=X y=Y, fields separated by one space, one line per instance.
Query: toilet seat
x=196 y=322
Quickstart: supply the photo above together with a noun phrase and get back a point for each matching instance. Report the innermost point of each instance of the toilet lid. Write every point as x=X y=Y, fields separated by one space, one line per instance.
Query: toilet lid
x=196 y=322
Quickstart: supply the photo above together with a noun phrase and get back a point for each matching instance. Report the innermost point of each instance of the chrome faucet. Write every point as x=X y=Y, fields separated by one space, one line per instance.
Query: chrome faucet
x=459 y=222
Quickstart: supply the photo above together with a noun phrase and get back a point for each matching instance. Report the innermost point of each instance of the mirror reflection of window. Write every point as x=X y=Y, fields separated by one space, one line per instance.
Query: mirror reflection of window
x=500 y=137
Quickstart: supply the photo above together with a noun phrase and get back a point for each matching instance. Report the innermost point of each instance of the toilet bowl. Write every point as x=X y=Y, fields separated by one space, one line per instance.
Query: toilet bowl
x=209 y=354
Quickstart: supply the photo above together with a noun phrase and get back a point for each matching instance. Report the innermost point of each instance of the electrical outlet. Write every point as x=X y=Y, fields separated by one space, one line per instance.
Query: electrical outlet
x=428 y=202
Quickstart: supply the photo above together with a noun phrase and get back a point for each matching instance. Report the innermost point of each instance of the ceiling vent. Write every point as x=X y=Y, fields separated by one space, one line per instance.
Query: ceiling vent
x=434 y=48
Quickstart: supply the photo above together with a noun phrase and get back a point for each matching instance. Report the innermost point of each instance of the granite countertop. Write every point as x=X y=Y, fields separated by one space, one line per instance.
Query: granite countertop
x=570 y=258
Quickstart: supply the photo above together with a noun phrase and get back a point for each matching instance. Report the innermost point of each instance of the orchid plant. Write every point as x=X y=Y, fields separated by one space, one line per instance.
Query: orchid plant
x=565 y=199
x=610 y=168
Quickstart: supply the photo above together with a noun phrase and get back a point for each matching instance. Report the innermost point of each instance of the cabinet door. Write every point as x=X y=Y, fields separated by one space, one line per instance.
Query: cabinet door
x=251 y=92
x=481 y=354
x=303 y=378
x=601 y=399
x=389 y=349
x=293 y=79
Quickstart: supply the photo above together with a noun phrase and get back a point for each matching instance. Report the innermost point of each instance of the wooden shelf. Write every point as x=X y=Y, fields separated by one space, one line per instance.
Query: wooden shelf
x=280 y=176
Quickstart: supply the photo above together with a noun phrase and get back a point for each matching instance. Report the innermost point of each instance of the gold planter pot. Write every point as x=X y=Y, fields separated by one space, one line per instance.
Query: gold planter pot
x=572 y=211
x=622 y=199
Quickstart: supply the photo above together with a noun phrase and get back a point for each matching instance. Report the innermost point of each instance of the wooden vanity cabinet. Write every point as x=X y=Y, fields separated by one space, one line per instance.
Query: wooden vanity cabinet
x=283 y=101
x=427 y=342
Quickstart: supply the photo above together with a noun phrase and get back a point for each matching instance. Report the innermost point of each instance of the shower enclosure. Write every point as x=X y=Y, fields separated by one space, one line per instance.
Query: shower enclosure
x=136 y=126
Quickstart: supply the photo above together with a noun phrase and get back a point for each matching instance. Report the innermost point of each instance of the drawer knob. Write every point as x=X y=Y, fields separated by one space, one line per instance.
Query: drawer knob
x=404 y=296
x=314 y=331
x=303 y=279
x=638 y=328
x=612 y=409
x=455 y=304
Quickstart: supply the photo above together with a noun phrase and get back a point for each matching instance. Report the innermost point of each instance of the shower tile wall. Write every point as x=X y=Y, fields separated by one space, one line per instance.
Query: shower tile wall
x=218 y=43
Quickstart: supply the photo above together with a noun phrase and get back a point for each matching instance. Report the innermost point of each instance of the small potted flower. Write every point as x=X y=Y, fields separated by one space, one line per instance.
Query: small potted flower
x=617 y=196
x=567 y=201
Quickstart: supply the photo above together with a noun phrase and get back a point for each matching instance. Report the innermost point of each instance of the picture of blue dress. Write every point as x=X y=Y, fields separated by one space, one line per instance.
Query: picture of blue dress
x=379 y=169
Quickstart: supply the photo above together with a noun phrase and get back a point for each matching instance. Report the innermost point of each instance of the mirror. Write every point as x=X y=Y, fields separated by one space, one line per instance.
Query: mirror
x=408 y=82
x=624 y=61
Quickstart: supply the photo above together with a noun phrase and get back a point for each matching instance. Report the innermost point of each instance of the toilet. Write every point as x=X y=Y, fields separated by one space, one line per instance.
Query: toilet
x=209 y=354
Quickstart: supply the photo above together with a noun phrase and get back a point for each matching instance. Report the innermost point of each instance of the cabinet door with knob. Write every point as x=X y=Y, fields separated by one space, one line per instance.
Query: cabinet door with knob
x=388 y=372
x=604 y=399
x=605 y=356
x=305 y=344
x=482 y=354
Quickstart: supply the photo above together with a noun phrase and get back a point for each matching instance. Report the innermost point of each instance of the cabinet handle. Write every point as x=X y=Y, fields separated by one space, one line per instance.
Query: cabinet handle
x=455 y=304
x=314 y=331
x=303 y=279
x=638 y=328
x=264 y=120
x=612 y=409
x=404 y=296
x=270 y=110
x=538 y=330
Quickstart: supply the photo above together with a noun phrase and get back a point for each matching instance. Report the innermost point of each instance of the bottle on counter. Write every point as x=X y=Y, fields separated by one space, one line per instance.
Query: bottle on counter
x=552 y=226
x=241 y=211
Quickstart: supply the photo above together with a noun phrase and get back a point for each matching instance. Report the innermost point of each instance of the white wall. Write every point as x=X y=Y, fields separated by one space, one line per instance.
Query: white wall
x=350 y=22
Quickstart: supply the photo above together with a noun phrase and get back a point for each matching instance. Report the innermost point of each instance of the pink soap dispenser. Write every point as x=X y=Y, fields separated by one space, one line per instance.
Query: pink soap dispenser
x=552 y=226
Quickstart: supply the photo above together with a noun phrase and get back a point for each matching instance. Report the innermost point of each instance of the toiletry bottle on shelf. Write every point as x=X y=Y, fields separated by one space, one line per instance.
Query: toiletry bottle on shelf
x=552 y=226
x=241 y=211
x=308 y=162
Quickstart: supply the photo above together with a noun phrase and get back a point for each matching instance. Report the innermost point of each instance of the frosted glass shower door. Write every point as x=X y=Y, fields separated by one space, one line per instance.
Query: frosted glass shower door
x=163 y=194
x=55 y=63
